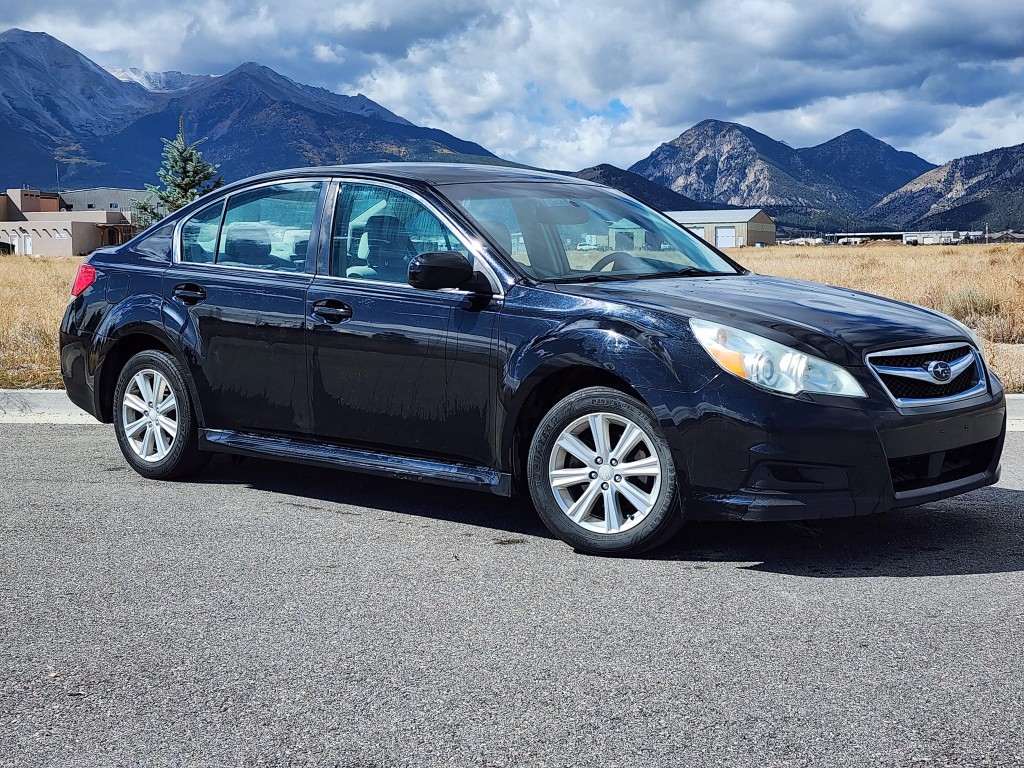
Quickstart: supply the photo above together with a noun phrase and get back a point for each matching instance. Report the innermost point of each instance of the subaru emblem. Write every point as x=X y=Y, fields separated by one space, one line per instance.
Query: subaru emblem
x=940 y=371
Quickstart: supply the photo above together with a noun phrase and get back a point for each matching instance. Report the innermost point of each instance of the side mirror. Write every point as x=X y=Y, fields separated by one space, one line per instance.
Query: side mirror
x=446 y=269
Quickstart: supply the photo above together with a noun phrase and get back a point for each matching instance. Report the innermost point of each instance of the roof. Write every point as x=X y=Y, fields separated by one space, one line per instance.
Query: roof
x=729 y=216
x=101 y=189
x=625 y=224
x=435 y=174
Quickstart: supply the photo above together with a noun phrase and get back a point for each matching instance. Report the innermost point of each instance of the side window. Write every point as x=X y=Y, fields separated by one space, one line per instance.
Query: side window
x=157 y=243
x=199 y=235
x=269 y=227
x=377 y=230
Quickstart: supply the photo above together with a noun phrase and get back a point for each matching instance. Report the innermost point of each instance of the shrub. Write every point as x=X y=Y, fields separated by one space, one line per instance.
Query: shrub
x=969 y=305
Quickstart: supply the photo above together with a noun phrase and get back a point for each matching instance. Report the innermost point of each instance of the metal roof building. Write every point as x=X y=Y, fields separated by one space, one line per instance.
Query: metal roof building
x=732 y=228
x=103 y=199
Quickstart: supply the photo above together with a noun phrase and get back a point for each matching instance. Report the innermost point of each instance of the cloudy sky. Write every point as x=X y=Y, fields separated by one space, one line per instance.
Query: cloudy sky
x=571 y=83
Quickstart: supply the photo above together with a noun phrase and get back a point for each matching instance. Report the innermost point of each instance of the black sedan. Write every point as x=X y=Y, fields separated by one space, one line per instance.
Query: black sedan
x=520 y=332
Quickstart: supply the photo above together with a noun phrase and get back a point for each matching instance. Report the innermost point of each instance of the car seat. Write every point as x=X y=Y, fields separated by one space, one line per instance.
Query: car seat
x=388 y=251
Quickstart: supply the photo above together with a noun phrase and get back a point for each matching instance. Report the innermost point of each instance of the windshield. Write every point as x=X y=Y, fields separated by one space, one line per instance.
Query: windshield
x=579 y=233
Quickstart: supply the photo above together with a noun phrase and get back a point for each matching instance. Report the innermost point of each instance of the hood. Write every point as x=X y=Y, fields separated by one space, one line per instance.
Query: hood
x=839 y=323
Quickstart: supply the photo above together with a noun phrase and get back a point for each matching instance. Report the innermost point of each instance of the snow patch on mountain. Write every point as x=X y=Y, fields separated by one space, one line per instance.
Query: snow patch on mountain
x=159 y=82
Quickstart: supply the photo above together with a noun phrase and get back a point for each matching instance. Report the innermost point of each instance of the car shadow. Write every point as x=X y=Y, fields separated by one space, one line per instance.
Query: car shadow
x=354 y=489
x=981 y=532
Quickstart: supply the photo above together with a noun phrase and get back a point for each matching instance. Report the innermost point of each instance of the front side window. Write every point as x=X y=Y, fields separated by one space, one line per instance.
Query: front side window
x=564 y=232
x=377 y=231
x=264 y=228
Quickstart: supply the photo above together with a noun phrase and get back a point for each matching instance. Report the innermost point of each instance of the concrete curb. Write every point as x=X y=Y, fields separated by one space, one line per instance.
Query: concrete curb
x=40 y=406
x=51 y=406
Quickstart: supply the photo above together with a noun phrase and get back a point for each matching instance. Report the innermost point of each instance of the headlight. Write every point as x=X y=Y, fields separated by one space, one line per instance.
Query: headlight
x=772 y=365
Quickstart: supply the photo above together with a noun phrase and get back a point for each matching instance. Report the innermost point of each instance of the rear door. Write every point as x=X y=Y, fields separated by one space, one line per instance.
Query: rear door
x=393 y=367
x=236 y=298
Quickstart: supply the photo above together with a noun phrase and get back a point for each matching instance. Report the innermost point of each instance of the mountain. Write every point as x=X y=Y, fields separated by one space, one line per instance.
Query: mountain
x=633 y=184
x=158 y=82
x=731 y=163
x=51 y=99
x=825 y=184
x=49 y=89
x=256 y=120
x=58 y=106
x=964 y=194
x=865 y=164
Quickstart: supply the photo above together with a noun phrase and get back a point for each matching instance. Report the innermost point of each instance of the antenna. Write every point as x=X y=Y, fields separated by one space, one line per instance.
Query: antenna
x=57 y=166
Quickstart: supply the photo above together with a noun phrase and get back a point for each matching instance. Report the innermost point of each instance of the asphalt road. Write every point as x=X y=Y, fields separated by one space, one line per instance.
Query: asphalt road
x=274 y=615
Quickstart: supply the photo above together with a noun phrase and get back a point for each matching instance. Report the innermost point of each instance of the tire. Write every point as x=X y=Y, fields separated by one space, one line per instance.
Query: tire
x=574 y=484
x=151 y=397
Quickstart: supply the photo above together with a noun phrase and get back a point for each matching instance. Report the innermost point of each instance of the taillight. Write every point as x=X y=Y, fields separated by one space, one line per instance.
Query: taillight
x=86 y=276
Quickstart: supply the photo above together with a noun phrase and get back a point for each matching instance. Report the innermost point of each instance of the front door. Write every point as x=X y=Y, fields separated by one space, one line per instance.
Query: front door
x=236 y=297
x=391 y=366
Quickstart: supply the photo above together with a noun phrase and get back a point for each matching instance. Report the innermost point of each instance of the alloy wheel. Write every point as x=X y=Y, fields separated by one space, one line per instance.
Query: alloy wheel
x=605 y=473
x=149 y=415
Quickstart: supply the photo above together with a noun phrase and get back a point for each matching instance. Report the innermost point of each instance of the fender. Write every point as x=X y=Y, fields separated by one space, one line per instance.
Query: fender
x=136 y=316
x=661 y=367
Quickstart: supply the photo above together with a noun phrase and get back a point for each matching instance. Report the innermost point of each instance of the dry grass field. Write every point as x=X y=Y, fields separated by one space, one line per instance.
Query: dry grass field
x=982 y=285
x=33 y=295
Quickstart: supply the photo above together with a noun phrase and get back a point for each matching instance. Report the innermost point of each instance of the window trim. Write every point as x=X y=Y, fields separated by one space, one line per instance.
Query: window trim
x=223 y=201
x=472 y=243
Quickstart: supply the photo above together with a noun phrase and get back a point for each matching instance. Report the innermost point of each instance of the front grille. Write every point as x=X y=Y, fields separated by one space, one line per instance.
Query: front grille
x=908 y=375
x=903 y=389
x=911 y=473
x=921 y=360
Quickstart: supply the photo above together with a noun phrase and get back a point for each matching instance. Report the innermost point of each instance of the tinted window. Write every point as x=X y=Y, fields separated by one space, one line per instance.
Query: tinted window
x=157 y=243
x=377 y=230
x=199 y=235
x=269 y=227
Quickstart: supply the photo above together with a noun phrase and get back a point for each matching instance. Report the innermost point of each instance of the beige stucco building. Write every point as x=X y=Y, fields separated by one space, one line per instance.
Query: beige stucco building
x=40 y=224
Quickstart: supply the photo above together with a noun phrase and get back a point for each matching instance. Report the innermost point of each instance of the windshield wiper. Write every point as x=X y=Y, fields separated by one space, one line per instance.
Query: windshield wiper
x=601 y=277
x=593 y=277
x=684 y=272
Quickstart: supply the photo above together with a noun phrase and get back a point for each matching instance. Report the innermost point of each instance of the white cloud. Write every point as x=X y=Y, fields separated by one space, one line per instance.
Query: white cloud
x=569 y=83
x=327 y=54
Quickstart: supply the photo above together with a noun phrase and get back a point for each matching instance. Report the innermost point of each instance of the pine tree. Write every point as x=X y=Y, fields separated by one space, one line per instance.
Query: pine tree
x=185 y=176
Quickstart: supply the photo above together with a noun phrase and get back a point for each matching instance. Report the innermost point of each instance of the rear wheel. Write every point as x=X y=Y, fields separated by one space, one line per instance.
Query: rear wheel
x=601 y=474
x=154 y=418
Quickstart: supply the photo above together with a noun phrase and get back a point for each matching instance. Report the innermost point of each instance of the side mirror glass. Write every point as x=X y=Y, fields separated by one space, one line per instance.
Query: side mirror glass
x=445 y=269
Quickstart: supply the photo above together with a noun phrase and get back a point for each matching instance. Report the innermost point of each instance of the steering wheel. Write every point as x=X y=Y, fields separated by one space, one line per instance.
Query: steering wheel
x=615 y=258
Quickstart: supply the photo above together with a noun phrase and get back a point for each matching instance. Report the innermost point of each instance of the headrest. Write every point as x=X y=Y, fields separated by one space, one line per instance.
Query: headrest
x=246 y=241
x=384 y=228
x=388 y=243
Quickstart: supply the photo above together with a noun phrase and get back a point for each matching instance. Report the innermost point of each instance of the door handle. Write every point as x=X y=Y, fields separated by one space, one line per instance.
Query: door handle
x=189 y=293
x=331 y=311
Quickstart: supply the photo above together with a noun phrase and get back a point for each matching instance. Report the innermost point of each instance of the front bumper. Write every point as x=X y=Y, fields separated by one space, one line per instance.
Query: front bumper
x=747 y=454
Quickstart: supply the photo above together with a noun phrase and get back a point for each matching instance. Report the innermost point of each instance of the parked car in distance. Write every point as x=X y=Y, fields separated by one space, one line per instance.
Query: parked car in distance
x=426 y=321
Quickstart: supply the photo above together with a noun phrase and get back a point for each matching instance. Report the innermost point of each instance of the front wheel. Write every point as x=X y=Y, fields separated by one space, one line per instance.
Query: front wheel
x=601 y=474
x=154 y=419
